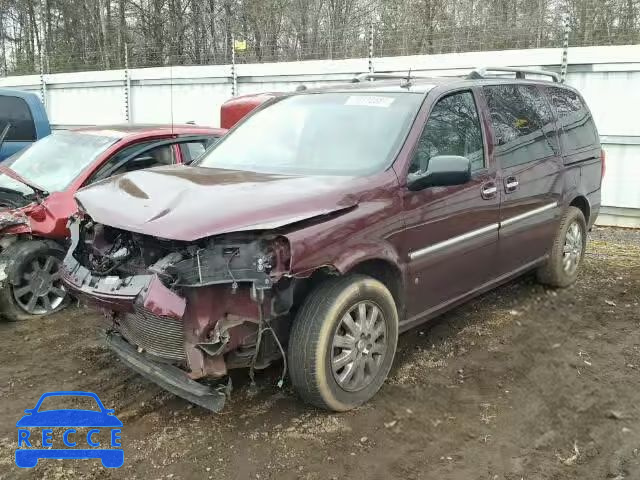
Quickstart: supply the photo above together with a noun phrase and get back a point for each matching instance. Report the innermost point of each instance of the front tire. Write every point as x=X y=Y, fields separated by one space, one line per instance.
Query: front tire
x=34 y=285
x=562 y=266
x=342 y=342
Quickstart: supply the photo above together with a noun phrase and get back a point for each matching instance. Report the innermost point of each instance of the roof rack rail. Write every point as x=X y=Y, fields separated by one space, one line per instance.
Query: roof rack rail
x=521 y=73
x=363 y=77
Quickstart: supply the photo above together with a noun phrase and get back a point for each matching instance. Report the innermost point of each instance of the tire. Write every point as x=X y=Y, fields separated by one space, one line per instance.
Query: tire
x=554 y=272
x=18 y=259
x=321 y=321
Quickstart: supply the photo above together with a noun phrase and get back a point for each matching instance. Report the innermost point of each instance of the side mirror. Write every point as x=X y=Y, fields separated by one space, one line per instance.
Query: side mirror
x=443 y=171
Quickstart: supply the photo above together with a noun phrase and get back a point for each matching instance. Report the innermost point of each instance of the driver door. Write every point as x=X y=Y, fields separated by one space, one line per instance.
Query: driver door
x=451 y=232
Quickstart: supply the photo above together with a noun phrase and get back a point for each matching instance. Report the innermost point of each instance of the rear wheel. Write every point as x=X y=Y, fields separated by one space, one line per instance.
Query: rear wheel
x=34 y=285
x=567 y=251
x=343 y=342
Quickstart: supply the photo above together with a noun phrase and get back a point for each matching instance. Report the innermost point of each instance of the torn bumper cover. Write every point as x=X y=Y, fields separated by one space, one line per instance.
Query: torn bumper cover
x=166 y=376
x=119 y=294
x=135 y=294
x=124 y=295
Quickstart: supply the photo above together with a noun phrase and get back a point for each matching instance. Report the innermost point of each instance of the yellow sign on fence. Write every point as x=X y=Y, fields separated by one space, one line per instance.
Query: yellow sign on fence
x=240 y=45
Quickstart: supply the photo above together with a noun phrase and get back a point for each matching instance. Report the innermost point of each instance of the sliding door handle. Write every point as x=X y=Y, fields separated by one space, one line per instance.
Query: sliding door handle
x=511 y=184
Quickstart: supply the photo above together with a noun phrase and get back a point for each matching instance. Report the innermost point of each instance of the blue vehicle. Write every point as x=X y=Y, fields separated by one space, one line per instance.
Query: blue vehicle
x=26 y=118
x=69 y=418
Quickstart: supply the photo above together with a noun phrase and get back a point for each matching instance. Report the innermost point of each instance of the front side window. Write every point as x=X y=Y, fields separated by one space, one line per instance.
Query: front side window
x=15 y=111
x=453 y=128
x=55 y=161
x=522 y=124
x=162 y=155
x=341 y=133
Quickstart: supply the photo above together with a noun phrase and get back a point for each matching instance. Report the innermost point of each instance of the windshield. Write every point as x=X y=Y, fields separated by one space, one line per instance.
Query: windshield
x=55 y=161
x=62 y=402
x=324 y=134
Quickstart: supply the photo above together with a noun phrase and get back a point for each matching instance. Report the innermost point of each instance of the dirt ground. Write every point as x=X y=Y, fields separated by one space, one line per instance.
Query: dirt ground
x=522 y=383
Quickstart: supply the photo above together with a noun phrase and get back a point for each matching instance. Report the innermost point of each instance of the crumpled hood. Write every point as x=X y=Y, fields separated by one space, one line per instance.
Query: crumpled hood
x=188 y=203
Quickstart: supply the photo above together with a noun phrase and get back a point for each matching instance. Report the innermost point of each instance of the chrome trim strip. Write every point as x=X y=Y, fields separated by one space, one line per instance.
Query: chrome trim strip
x=452 y=241
x=481 y=231
x=530 y=213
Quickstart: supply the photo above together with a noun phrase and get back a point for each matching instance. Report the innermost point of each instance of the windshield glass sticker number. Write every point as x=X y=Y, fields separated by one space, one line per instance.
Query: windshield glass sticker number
x=369 y=101
x=79 y=433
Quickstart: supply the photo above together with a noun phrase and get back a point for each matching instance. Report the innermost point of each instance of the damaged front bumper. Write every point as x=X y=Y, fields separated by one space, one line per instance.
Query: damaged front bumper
x=133 y=295
x=118 y=294
x=166 y=376
x=188 y=327
x=143 y=293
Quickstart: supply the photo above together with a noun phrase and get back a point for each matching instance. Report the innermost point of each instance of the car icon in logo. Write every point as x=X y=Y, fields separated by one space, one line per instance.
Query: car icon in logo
x=78 y=445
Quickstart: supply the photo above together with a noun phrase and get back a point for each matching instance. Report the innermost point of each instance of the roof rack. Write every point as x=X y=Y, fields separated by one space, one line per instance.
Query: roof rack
x=363 y=77
x=521 y=73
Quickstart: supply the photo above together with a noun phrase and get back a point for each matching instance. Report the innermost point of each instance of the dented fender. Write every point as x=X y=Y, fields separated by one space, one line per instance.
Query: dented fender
x=364 y=252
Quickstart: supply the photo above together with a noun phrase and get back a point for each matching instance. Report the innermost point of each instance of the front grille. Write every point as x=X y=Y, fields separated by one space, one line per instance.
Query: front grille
x=157 y=335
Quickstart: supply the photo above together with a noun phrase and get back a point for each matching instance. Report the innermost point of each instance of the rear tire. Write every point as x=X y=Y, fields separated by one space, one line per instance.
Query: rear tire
x=562 y=267
x=33 y=286
x=342 y=342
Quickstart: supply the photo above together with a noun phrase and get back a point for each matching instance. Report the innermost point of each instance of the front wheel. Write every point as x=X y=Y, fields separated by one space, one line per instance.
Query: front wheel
x=567 y=251
x=34 y=284
x=342 y=342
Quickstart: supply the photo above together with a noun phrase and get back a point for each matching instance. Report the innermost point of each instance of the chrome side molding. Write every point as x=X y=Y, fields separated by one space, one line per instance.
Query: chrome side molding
x=480 y=231
x=452 y=241
x=530 y=213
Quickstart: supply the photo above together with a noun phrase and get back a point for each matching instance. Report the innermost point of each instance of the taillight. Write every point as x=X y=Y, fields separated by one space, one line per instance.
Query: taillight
x=603 y=167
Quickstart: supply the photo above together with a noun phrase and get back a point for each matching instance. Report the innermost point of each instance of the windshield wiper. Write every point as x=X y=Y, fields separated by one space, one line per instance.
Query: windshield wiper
x=39 y=191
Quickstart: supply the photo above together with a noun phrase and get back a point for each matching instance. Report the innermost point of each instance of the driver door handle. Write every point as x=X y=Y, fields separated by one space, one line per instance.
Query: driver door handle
x=489 y=190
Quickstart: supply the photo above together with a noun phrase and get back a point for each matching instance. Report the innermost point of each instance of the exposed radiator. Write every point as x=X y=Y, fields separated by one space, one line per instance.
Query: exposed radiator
x=159 y=336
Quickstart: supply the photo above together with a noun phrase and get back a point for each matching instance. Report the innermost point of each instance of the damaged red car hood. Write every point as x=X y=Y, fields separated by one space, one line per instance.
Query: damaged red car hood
x=188 y=203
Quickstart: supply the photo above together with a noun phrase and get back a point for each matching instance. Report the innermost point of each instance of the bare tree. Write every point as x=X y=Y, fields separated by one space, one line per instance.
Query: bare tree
x=92 y=34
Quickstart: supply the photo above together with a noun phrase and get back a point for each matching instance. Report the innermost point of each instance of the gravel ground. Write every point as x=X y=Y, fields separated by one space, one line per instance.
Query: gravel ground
x=522 y=383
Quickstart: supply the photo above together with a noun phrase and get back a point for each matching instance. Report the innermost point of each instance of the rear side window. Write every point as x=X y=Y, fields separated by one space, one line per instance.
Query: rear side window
x=578 y=128
x=193 y=150
x=522 y=123
x=16 y=111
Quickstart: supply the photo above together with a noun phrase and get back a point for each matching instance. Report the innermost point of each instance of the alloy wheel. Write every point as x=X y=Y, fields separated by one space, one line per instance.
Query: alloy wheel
x=359 y=346
x=40 y=289
x=572 y=251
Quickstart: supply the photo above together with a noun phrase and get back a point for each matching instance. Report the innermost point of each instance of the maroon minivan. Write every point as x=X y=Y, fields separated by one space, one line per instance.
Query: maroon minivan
x=328 y=221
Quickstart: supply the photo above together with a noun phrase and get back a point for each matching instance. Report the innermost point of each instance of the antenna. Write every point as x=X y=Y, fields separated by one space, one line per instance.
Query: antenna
x=407 y=82
x=171 y=94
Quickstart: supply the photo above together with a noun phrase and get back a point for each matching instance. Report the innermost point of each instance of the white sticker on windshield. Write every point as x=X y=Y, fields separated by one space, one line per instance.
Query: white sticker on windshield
x=369 y=101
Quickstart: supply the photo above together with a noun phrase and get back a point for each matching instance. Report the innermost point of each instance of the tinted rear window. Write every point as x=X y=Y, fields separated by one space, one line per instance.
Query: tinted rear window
x=16 y=111
x=579 y=130
x=522 y=124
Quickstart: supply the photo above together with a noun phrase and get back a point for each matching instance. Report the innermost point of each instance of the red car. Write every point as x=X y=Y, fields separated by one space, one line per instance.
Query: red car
x=37 y=186
x=344 y=215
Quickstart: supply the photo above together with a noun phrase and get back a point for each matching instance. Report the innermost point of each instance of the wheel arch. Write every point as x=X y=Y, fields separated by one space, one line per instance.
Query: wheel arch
x=386 y=272
x=381 y=268
x=581 y=202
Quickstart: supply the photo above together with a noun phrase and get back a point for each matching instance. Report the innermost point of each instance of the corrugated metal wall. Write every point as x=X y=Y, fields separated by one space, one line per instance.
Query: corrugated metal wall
x=607 y=76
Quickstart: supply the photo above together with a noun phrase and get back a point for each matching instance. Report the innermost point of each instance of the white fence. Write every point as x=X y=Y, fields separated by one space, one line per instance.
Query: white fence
x=609 y=78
